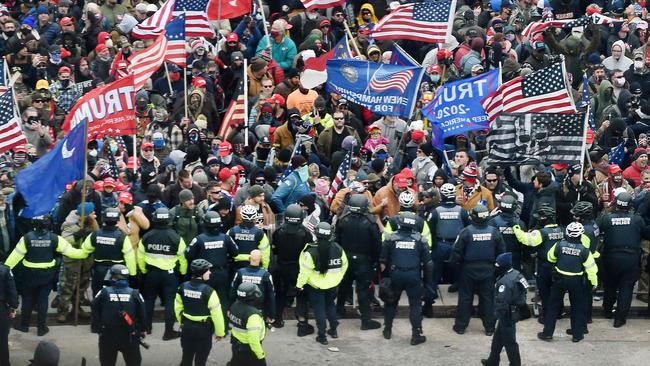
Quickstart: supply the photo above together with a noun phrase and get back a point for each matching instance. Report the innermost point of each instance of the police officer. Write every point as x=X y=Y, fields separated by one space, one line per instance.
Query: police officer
x=358 y=234
x=159 y=251
x=622 y=232
x=248 y=236
x=248 y=328
x=543 y=240
x=583 y=212
x=571 y=260
x=262 y=278
x=406 y=202
x=110 y=246
x=199 y=312
x=8 y=305
x=288 y=241
x=504 y=221
x=475 y=251
x=217 y=248
x=37 y=252
x=118 y=317
x=509 y=296
x=404 y=254
x=445 y=221
x=322 y=267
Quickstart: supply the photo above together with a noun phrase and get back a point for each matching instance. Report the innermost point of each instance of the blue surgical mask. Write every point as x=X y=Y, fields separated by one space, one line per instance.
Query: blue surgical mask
x=435 y=78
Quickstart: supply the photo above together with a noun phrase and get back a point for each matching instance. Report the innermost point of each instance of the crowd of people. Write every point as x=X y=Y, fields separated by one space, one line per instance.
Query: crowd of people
x=264 y=197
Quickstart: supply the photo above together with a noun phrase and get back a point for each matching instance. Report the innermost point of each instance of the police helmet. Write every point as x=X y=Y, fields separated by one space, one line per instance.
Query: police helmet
x=480 y=214
x=406 y=199
x=161 y=216
x=248 y=291
x=623 y=200
x=508 y=204
x=582 y=209
x=448 y=192
x=407 y=220
x=358 y=203
x=544 y=212
x=248 y=213
x=199 y=267
x=211 y=220
x=323 y=231
x=575 y=230
x=117 y=271
x=41 y=222
x=294 y=214
x=111 y=216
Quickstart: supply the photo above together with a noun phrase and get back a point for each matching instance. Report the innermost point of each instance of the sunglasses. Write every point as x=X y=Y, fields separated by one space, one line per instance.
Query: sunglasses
x=39 y=100
x=267 y=86
x=338 y=118
x=231 y=43
x=491 y=180
x=215 y=192
x=147 y=150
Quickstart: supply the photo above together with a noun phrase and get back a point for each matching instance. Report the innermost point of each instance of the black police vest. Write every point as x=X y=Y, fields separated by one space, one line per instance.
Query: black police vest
x=108 y=244
x=450 y=223
x=504 y=224
x=161 y=241
x=289 y=241
x=510 y=289
x=246 y=238
x=116 y=300
x=570 y=256
x=550 y=236
x=213 y=248
x=593 y=232
x=335 y=255
x=406 y=250
x=40 y=248
x=354 y=233
x=195 y=296
x=394 y=223
x=481 y=246
x=622 y=231
x=239 y=314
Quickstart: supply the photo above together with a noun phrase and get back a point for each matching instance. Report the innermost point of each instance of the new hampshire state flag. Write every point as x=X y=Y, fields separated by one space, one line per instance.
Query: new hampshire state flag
x=43 y=182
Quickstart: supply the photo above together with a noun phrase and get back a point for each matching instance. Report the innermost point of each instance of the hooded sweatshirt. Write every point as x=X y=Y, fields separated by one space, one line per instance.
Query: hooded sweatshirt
x=623 y=63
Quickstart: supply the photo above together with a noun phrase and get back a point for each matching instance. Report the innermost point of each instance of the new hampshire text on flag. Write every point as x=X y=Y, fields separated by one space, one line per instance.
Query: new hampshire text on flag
x=457 y=108
x=383 y=89
x=43 y=182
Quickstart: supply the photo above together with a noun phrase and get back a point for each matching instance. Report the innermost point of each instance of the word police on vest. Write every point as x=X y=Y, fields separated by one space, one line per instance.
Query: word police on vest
x=213 y=244
x=405 y=245
x=192 y=294
x=112 y=214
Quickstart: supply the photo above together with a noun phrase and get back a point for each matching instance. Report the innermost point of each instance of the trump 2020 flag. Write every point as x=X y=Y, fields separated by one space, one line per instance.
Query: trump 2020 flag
x=43 y=182
x=457 y=108
x=383 y=89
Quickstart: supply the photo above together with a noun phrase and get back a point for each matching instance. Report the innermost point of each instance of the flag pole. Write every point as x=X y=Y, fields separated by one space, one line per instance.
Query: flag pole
x=246 y=101
x=266 y=29
x=169 y=80
x=585 y=124
x=82 y=219
x=185 y=90
x=354 y=42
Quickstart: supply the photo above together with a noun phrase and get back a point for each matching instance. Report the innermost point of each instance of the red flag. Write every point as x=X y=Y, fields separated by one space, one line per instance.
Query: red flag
x=110 y=110
x=147 y=61
x=229 y=9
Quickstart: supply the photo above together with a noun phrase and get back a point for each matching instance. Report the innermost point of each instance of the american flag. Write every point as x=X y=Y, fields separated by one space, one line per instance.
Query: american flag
x=235 y=114
x=3 y=75
x=297 y=150
x=147 y=61
x=584 y=103
x=196 y=17
x=617 y=154
x=155 y=24
x=10 y=133
x=536 y=137
x=341 y=175
x=113 y=171
x=537 y=27
x=603 y=19
x=544 y=91
x=382 y=80
x=321 y=4
x=176 y=52
x=427 y=22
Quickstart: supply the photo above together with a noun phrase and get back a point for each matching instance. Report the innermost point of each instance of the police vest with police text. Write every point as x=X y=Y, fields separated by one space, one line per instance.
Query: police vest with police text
x=406 y=249
x=246 y=238
x=195 y=296
x=108 y=245
x=550 y=236
x=40 y=248
x=213 y=248
x=161 y=242
x=450 y=222
x=482 y=245
x=570 y=256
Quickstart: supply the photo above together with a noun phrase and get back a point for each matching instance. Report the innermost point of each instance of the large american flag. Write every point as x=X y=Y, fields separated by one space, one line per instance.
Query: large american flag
x=10 y=133
x=155 y=24
x=341 y=175
x=585 y=102
x=176 y=52
x=426 y=22
x=544 y=91
x=321 y=4
x=382 y=80
x=196 y=17
x=235 y=114
x=536 y=137
x=617 y=154
x=147 y=61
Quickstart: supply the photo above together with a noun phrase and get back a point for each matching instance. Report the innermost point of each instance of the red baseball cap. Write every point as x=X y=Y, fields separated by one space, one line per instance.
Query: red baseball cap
x=199 y=82
x=64 y=69
x=614 y=168
x=224 y=174
x=110 y=182
x=98 y=185
x=66 y=21
x=232 y=37
x=147 y=144
x=129 y=163
x=125 y=197
x=401 y=181
x=590 y=136
x=560 y=166
x=225 y=148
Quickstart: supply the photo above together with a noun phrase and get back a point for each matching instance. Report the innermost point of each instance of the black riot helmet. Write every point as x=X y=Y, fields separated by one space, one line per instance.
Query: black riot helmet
x=508 y=204
x=248 y=292
x=212 y=220
x=480 y=214
x=358 y=203
x=111 y=216
x=294 y=214
x=117 y=272
x=161 y=216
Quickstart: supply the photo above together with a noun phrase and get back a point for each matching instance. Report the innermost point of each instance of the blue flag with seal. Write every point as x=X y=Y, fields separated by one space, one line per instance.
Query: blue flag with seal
x=43 y=182
x=383 y=89
x=457 y=108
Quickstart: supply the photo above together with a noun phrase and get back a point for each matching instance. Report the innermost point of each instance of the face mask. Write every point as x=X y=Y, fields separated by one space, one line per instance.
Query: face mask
x=25 y=31
x=435 y=78
x=10 y=34
x=274 y=34
x=141 y=105
x=620 y=82
x=322 y=114
x=607 y=94
x=93 y=153
x=303 y=172
x=510 y=37
x=200 y=51
x=617 y=178
x=64 y=83
x=638 y=64
x=312 y=15
x=227 y=159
